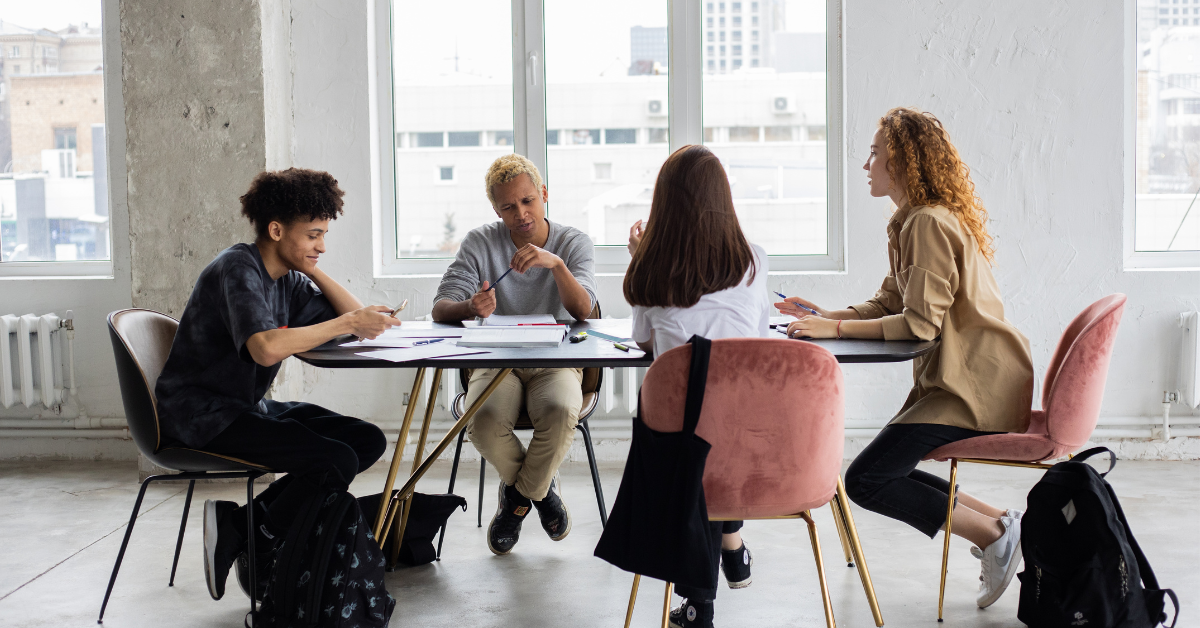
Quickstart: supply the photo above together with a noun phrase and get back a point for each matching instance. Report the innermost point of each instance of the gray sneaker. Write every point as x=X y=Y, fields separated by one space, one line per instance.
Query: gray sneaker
x=999 y=563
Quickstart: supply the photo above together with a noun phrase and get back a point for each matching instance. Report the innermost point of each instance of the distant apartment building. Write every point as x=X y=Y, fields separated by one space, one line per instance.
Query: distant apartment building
x=647 y=50
x=740 y=34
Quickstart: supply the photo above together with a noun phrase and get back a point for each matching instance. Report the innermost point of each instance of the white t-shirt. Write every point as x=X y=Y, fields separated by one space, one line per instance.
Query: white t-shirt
x=741 y=311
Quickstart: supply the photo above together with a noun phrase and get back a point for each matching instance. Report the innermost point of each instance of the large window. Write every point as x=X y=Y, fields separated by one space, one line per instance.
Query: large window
x=1167 y=105
x=53 y=164
x=598 y=95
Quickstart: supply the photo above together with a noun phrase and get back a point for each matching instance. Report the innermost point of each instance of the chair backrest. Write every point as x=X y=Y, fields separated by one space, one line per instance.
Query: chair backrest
x=141 y=342
x=774 y=414
x=1074 y=384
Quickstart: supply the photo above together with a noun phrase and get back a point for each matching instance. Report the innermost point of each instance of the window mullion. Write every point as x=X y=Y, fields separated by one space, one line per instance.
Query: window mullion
x=685 y=78
x=529 y=82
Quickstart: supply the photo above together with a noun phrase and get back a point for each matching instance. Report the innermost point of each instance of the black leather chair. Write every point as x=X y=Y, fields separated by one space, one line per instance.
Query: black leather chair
x=592 y=378
x=141 y=341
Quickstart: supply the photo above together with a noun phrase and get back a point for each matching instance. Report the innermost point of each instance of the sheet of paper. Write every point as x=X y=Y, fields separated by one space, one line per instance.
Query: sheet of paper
x=414 y=332
x=424 y=352
x=781 y=320
x=495 y=320
x=395 y=343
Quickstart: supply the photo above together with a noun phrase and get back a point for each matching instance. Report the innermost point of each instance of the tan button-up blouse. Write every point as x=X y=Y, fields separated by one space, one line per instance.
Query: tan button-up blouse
x=980 y=376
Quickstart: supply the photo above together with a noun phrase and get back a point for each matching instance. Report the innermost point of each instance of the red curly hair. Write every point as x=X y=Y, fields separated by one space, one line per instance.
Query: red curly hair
x=921 y=156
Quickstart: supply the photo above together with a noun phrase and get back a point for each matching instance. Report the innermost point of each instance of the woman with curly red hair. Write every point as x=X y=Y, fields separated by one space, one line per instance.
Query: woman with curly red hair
x=979 y=379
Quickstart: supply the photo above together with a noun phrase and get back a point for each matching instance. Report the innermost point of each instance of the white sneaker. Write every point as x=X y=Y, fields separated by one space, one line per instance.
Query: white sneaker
x=999 y=562
x=1014 y=513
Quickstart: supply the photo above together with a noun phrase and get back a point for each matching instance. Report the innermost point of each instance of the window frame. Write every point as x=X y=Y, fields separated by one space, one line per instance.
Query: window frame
x=114 y=139
x=1135 y=260
x=686 y=40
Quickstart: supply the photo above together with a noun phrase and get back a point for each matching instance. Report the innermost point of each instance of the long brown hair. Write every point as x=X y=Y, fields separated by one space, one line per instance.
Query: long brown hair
x=692 y=244
x=920 y=154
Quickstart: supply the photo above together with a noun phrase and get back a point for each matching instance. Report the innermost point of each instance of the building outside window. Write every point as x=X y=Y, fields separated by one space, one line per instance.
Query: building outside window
x=1167 y=155
x=606 y=118
x=54 y=204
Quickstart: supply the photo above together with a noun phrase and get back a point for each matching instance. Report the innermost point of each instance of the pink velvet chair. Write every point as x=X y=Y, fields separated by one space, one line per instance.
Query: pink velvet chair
x=773 y=413
x=1071 y=396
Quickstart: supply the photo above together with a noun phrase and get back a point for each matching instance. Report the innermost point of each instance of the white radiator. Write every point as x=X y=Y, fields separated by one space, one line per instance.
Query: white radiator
x=32 y=352
x=1189 y=365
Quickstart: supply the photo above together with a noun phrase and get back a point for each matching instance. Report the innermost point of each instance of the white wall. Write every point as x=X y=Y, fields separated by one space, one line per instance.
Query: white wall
x=1032 y=93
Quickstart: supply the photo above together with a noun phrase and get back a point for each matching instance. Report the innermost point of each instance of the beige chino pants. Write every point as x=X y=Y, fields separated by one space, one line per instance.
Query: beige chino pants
x=553 y=399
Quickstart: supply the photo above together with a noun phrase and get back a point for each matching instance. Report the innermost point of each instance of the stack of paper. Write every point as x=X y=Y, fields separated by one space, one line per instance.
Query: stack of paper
x=423 y=352
x=495 y=320
x=513 y=337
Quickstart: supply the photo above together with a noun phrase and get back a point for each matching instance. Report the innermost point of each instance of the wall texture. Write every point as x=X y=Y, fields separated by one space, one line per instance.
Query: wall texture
x=193 y=87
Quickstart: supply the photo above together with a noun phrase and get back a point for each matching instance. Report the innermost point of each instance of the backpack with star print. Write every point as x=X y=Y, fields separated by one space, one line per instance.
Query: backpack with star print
x=328 y=570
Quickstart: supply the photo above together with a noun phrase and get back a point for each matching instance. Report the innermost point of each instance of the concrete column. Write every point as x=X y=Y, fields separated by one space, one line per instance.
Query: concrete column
x=207 y=93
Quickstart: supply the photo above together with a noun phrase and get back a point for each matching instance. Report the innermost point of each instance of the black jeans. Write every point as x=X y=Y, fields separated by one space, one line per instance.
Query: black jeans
x=718 y=528
x=313 y=446
x=884 y=478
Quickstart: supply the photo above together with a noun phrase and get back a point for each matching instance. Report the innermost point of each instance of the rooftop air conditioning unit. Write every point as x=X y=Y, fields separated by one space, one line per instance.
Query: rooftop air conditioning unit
x=655 y=109
x=783 y=105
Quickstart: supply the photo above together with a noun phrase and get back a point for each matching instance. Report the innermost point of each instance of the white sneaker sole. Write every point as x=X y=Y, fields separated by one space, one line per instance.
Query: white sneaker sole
x=744 y=583
x=210 y=546
x=1008 y=576
x=564 y=534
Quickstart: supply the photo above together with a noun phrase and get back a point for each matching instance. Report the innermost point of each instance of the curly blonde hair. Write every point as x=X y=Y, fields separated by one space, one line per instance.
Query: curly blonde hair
x=921 y=156
x=505 y=169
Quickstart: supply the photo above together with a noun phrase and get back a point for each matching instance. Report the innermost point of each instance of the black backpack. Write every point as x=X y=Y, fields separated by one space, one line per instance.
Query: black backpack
x=328 y=570
x=1082 y=564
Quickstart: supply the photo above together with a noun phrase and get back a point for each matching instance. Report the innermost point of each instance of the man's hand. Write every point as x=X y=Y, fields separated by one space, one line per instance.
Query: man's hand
x=530 y=256
x=483 y=303
x=371 y=321
x=813 y=327
x=790 y=307
x=635 y=236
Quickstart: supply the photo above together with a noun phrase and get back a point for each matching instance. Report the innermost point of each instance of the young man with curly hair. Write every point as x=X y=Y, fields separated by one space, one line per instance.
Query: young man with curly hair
x=252 y=307
x=554 y=267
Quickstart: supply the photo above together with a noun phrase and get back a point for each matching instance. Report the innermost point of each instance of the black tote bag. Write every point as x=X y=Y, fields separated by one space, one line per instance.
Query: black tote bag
x=659 y=523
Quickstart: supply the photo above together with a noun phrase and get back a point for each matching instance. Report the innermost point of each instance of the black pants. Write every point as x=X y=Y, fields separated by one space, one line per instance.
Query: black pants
x=313 y=446
x=884 y=478
x=718 y=528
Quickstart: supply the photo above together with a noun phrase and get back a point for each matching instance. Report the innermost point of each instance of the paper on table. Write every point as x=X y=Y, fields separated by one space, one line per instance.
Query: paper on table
x=496 y=320
x=781 y=320
x=423 y=352
x=396 y=343
x=514 y=337
x=409 y=332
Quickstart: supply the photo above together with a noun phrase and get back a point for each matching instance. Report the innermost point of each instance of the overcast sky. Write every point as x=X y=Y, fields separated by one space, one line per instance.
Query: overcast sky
x=582 y=39
x=52 y=14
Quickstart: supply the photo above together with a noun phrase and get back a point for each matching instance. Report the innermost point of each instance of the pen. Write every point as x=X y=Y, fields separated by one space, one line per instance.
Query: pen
x=805 y=308
x=501 y=277
x=428 y=342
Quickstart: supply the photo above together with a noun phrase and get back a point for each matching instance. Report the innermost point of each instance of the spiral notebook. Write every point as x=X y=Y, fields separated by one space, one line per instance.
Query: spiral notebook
x=513 y=337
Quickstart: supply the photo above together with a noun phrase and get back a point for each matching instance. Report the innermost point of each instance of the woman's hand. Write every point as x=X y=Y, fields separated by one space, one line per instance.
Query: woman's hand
x=635 y=236
x=813 y=327
x=791 y=307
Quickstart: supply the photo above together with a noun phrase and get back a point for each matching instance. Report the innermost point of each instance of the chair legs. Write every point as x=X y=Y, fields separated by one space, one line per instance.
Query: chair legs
x=479 y=509
x=252 y=558
x=839 y=522
x=637 y=579
x=591 y=453
x=946 y=533
x=450 y=489
x=191 y=478
x=187 y=506
x=667 y=603
x=816 y=545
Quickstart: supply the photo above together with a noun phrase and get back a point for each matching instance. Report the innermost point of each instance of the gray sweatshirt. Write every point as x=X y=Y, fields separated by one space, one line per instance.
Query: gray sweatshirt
x=485 y=254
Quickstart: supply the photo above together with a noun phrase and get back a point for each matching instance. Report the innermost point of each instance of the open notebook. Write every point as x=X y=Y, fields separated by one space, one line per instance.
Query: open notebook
x=513 y=336
x=496 y=320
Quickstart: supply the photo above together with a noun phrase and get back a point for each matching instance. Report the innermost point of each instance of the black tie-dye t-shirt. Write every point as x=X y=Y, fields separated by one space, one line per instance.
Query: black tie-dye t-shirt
x=210 y=378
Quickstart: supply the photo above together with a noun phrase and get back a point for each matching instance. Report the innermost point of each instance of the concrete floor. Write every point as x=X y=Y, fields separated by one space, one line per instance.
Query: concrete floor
x=61 y=525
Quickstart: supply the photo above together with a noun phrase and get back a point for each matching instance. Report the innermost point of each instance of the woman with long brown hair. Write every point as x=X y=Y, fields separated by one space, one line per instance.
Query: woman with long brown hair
x=694 y=272
x=979 y=380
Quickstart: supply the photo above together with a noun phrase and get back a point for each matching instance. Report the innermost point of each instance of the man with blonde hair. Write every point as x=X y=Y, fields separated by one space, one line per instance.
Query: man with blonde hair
x=554 y=275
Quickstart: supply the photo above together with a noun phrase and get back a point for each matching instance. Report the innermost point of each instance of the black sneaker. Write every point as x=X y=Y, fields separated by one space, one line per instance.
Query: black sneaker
x=264 y=546
x=556 y=519
x=222 y=544
x=736 y=565
x=693 y=614
x=505 y=528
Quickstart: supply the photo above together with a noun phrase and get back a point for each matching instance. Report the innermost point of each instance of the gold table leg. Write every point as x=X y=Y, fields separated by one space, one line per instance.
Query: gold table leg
x=396 y=455
x=429 y=404
x=839 y=522
x=637 y=579
x=667 y=604
x=411 y=484
x=859 y=558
